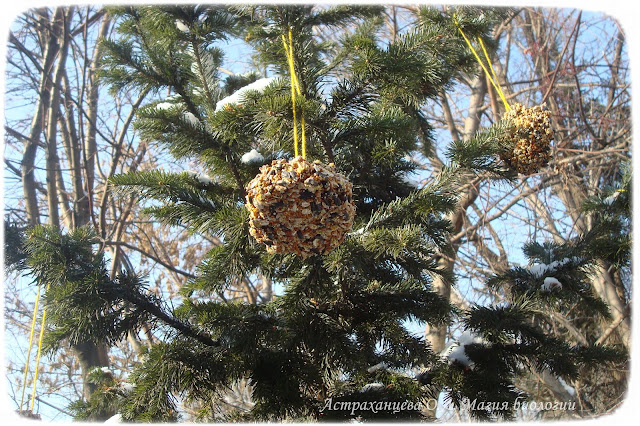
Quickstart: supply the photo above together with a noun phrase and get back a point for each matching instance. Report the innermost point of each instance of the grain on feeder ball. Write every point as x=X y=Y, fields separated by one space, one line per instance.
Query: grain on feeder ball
x=300 y=207
x=528 y=139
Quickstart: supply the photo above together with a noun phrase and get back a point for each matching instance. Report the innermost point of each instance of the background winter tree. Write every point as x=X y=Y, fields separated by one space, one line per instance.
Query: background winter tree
x=221 y=329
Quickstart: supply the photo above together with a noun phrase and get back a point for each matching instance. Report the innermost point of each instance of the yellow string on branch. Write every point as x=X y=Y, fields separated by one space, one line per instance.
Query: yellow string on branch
x=33 y=328
x=495 y=76
x=293 y=97
x=35 y=375
x=494 y=83
x=295 y=90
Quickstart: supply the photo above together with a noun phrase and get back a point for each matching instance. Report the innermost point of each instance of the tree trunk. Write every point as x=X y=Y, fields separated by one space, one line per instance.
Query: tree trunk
x=437 y=334
x=74 y=154
x=605 y=287
x=63 y=197
x=90 y=145
x=62 y=34
x=90 y=356
x=39 y=118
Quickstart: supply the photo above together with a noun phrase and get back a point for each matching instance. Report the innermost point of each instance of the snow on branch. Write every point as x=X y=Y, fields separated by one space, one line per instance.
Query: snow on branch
x=258 y=85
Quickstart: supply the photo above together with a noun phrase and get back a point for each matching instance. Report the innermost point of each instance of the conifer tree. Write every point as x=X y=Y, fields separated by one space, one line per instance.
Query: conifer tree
x=337 y=332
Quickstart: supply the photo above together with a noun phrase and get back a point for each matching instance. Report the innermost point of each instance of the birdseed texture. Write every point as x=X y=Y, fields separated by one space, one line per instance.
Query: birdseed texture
x=300 y=207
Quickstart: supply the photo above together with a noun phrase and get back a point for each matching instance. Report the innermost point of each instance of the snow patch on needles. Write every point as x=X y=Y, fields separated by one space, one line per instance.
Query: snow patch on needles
x=182 y=26
x=252 y=156
x=170 y=102
x=164 y=105
x=559 y=263
x=456 y=351
x=550 y=284
x=379 y=366
x=127 y=387
x=371 y=387
x=258 y=85
x=359 y=231
x=611 y=198
x=200 y=177
x=539 y=270
x=97 y=368
x=191 y=119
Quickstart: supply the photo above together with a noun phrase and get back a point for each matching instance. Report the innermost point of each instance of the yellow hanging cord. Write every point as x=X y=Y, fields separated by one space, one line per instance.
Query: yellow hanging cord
x=295 y=89
x=293 y=97
x=493 y=83
x=35 y=375
x=495 y=76
x=33 y=329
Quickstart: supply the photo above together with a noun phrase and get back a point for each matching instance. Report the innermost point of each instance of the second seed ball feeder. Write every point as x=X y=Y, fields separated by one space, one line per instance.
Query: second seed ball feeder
x=529 y=139
x=300 y=207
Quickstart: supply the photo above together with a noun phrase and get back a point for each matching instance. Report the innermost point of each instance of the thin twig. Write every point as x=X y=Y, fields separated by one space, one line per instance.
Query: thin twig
x=564 y=50
x=150 y=256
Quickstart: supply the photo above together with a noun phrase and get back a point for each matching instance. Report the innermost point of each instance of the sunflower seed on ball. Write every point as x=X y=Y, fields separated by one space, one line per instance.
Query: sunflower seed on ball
x=307 y=206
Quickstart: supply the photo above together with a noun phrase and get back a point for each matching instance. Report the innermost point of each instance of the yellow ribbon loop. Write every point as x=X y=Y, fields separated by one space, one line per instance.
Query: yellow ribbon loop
x=32 y=333
x=295 y=90
x=495 y=76
x=35 y=374
x=494 y=83
x=33 y=328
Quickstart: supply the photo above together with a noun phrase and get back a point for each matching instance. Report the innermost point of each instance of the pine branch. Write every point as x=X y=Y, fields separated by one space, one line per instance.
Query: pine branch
x=150 y=256
x=171 y=321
